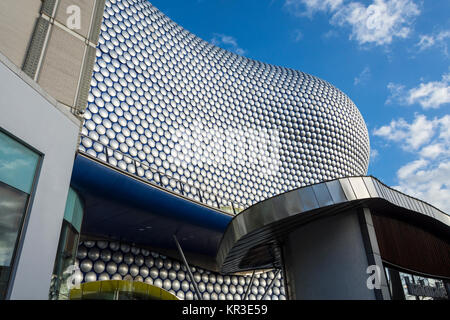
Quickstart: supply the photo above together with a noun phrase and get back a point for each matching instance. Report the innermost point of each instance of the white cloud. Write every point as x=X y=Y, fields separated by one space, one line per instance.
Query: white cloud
x=298 y=35
x=412 y=135
x=434 y=40
x=425 y=42
x=429 y=95
x=309 y=7
x=444 y=133
x=397 y=93
x=378 y=23
x=428 y=176
x=428 y=182
x=228 y=42
x=374 y=154
x=363 y=76
x=410 y=168
x=330 y=34
x=432 y=151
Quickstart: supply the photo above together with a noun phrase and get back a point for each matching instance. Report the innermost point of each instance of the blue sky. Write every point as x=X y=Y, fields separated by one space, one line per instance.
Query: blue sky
x=391 y=57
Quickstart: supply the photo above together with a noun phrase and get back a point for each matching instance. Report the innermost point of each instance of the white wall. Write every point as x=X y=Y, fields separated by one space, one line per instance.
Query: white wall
x=326 y=259
x=31 y=115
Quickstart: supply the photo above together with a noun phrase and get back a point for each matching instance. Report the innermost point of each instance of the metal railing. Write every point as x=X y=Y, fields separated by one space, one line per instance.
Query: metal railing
x=151 y=174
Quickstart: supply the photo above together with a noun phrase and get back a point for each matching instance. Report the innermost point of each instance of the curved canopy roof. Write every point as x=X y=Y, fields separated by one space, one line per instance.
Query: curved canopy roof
x=252 y=239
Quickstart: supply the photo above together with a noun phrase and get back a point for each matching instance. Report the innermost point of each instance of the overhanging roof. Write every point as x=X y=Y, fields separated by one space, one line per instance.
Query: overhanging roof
x=121 y=206
x=252 y=239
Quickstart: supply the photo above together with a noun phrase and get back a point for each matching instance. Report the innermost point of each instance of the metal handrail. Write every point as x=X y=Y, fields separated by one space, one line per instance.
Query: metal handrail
x=182 y=185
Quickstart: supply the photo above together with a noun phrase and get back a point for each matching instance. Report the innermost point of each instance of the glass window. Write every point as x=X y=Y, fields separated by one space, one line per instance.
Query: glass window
x=17 y=171
x=12 y=207
x=67 y=248
x=74 y=210
x=64 y=262
x=17 y=164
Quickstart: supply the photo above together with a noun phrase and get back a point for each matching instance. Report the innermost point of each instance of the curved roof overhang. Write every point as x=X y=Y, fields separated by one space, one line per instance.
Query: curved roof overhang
x=252 y=239
x=121 y=206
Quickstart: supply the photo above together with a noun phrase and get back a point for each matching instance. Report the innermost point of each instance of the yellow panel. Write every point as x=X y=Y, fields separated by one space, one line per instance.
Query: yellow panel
x=90 y=287
x=110 y=286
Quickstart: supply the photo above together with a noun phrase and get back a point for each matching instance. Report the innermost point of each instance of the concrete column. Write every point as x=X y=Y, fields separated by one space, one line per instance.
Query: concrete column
x=327 y=259
x=395 y=283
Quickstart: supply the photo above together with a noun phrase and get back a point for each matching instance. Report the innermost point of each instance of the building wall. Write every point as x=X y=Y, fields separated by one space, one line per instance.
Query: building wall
x=38 y=36
x=234 y=129
x=400 y=241
x=68 y=54
x=31 y=115
x=17 y=22
x=104 y=260
x=326 y=259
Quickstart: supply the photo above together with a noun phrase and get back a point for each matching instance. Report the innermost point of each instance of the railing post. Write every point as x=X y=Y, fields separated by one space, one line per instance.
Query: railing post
x=107 y=154
x=217 y=200
x=270 y=284
x=197 y=291
x=232 y=206
x=249 y=285
x=135 y=166
x=181 y=187
x=159 y=178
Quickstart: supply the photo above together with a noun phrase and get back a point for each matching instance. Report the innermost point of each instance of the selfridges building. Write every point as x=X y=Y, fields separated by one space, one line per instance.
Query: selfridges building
x=169 y=168
x=232 y=127
x=217 y=127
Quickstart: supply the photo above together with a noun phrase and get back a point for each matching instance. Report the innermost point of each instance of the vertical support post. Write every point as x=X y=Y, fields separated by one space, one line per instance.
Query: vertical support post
x=217 y=200
x=270 y=284
x=395 y=284
x=107 y=154
x=249 y=285
x=181 y=187
x=159 y=176
x=232 y=206
x=191 y=276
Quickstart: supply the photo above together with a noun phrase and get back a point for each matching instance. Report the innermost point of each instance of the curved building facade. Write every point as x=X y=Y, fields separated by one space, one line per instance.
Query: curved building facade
x=110 y=260
x=226 y=129
x=175 y=134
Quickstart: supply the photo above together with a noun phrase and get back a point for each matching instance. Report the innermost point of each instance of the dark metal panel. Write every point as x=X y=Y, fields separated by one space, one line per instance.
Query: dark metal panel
x=308 y=199
x=323 y=196
x=335 y=189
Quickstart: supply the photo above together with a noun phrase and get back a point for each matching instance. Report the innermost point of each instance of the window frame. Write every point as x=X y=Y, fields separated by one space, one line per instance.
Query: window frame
x=26 y=216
